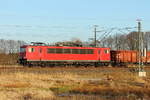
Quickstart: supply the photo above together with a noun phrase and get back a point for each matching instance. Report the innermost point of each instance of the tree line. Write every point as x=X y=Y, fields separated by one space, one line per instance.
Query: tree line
x=115 y=42
x=10 y=46
x=128 y=41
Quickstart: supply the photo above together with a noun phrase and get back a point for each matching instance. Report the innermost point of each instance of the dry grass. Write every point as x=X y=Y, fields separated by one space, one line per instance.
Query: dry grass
x=8 y=59
x=30 y=85
x=47 y=83
x=25 y=94
x=112 y=91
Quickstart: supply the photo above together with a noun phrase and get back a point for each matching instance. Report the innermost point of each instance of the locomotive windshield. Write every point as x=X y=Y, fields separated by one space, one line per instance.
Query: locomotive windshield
x=22 y=49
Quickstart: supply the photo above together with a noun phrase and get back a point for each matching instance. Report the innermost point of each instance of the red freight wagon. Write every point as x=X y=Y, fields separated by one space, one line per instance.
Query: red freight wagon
x=52 y=54
x=147 y=58
x=128 y=56
x=124 y=56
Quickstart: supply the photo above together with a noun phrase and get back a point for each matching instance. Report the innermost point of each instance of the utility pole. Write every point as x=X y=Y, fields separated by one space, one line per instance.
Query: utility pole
x=139 y=42
x=142 y=73
x=117 y=42
x=95 y=34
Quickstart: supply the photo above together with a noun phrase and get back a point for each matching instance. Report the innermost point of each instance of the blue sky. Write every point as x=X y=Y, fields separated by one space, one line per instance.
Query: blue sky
x=60 y=20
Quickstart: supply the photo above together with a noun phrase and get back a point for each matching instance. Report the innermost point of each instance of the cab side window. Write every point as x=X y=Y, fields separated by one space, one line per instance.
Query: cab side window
x=31 y=50
x=106 y=51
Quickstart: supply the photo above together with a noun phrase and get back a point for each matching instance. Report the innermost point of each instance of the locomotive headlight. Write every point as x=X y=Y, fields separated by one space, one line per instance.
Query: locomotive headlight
x=29 y=50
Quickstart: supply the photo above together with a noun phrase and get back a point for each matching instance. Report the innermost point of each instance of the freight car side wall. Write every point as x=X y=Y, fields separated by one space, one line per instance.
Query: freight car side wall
x=147 y=58
x=124 y=56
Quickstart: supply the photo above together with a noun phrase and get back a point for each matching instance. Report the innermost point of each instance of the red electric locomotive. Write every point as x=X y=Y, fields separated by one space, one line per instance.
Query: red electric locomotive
x=44 y=55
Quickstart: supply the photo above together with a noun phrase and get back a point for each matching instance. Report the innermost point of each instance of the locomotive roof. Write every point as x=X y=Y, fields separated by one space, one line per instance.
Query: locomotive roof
x=59 y=46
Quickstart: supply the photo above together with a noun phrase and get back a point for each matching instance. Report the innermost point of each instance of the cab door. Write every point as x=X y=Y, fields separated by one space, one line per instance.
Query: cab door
x=101 y=54
x=104 y=54
x=40 y=53
x=34 y=53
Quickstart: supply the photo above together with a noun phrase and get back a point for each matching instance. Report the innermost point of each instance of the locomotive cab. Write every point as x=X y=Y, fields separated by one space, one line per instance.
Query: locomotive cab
x=22 y=54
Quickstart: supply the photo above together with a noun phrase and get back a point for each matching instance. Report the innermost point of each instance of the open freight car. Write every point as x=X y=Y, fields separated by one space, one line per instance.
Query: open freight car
x=61 y=55
x=124 y=57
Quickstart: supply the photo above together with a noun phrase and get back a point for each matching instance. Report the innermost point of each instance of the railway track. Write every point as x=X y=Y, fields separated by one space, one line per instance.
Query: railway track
x=67 y=69
x=56 y=69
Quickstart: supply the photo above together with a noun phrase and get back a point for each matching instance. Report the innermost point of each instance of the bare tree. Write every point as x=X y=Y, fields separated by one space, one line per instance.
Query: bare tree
x=10 y=46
